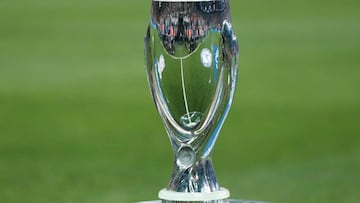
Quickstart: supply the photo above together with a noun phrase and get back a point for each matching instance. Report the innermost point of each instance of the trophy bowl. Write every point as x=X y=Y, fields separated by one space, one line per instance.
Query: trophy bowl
x=191 y=61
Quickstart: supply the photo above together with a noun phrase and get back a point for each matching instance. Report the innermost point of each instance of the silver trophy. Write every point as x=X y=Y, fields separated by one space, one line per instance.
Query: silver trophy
x=191 y=58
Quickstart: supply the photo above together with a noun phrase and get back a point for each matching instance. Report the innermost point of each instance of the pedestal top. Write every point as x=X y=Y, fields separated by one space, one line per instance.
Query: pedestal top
x=224 y=201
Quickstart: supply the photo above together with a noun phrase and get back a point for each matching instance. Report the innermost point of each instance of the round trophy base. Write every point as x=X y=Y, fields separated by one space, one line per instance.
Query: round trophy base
x=223 y=201
x=222 y=194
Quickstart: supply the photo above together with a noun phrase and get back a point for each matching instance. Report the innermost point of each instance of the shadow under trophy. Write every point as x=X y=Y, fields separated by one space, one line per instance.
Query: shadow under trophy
x=191 y=60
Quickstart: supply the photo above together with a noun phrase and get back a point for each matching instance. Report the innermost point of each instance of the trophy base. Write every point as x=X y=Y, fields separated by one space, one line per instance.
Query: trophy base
x=216 y=201
x=222 y=194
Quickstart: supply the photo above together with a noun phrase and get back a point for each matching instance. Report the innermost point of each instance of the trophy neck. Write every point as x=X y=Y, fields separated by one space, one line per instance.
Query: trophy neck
x=200 y=177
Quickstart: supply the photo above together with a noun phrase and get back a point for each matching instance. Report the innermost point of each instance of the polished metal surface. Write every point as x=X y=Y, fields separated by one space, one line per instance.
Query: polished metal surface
x=191 y=61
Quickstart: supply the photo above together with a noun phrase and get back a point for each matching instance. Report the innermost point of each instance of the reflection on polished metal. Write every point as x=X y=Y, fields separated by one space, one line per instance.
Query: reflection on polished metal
x=191 y=59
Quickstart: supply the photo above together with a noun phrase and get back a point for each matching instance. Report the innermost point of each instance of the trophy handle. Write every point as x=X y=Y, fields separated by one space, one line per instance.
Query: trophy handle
x=230 y=51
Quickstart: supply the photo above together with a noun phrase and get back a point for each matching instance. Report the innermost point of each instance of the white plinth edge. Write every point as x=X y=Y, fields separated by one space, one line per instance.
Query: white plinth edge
x=165 y=194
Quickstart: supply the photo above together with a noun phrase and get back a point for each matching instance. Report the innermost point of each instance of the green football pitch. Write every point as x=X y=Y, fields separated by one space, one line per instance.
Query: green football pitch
x=77 y=123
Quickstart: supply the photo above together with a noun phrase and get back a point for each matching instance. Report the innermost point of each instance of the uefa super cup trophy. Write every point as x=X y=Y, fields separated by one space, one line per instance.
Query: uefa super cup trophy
x=191 y=59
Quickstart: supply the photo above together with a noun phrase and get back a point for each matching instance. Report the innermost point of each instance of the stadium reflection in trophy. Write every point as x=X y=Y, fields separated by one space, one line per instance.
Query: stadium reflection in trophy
x=191 y=59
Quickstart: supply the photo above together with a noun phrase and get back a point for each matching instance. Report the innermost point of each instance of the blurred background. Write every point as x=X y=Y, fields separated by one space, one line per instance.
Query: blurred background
x=77 y=123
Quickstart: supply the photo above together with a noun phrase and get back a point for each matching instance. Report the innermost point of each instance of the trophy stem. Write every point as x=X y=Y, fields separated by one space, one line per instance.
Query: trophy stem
x=196 y=183
x=200 y=177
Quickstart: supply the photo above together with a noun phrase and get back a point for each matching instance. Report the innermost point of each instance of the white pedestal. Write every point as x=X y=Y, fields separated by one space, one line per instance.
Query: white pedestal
x=222 y=194
x=216 y=201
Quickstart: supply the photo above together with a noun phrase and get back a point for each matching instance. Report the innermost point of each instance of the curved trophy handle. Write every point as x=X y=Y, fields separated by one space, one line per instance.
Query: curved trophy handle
x=230 y=52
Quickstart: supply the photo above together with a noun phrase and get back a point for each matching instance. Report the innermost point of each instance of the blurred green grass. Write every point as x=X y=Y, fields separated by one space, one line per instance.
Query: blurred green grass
x=77 y=123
